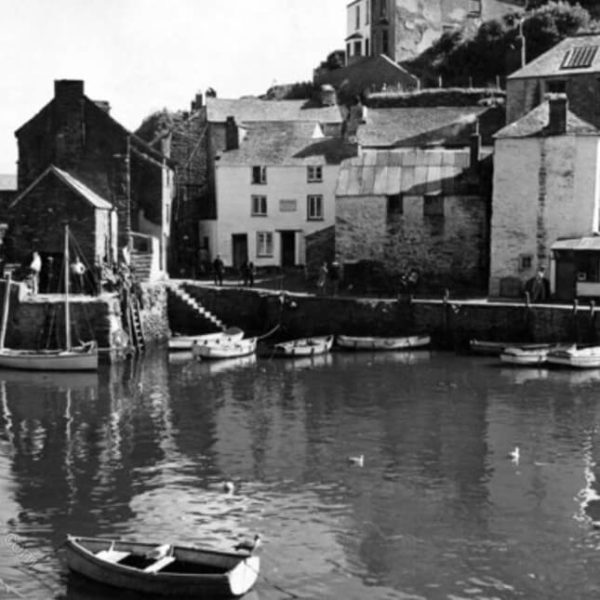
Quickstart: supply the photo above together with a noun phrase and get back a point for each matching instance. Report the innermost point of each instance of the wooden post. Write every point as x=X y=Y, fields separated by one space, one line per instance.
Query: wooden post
x=5 y=310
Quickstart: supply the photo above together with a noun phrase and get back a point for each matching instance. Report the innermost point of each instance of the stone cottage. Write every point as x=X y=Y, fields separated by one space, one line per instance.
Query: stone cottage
x=77 y=164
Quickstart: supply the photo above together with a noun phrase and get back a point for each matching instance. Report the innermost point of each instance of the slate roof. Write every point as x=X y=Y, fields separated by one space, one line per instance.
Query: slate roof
x=550 y=62
x=249 y=110
x=8 y=182
x=416 y=172
x=393 y=127
x=591 y=243
x=535 y=124
x=75 y=184
x=287 y=144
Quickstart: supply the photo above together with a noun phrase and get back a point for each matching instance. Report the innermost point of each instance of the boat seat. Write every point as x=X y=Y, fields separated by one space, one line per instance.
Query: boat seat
x=159 y=564
x=112 y=556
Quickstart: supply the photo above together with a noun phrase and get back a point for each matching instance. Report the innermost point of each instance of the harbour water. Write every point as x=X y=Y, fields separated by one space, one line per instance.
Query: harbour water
x=438 y=510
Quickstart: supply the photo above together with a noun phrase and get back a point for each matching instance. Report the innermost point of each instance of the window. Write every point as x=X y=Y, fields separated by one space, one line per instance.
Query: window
x=433 y=205
x=357 y=24
x=525 y=262
x=368 y=12
x=264 y=243
x=315 y=174
x=259 y=175
x=556 y=86
x=385 y=42
x=579 y=57
x=315 y=208
x=259 y=206
x=367 y=49
x=395 y=206
x=357 y=48
x=288 y=206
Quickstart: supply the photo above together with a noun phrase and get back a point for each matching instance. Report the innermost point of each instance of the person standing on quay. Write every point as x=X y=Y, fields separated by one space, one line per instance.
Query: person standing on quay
x=218 y=268
x=35 y=267
x=322 y=279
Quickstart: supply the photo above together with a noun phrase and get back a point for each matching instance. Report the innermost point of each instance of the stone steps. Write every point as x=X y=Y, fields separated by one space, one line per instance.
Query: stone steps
x=196 y=306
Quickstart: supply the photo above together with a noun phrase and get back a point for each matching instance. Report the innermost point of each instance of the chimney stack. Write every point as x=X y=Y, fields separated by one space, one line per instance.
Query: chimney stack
x=475 y=149
x=69 y=136
x=197 y=102
x=557 y=119
x=232 y=140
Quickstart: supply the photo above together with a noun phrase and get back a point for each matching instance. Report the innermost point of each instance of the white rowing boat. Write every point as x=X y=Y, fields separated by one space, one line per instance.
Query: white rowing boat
x=309 y=346
x=185 y=342
x=575 y=358
x=227 y=349
x=351 y=342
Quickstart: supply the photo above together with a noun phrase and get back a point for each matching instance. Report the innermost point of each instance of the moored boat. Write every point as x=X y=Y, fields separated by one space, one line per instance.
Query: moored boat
x=166 y=570
x=497 y=348
x=185 y=342
x=523 y=356
x=225 y=349
x=352 y=342
x=309 y=346
x=576 y=358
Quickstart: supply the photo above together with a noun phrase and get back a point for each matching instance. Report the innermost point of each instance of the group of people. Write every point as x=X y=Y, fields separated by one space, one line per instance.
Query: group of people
x=246 y=271
x=43 y=275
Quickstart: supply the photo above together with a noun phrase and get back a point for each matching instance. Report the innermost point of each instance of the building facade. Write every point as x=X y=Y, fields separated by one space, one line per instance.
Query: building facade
x=546 y=189
x=402 y=29
x=73 y=146
x=275 y=190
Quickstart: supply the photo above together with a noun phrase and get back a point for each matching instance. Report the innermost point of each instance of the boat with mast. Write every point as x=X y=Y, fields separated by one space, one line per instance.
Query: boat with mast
x=70 y=358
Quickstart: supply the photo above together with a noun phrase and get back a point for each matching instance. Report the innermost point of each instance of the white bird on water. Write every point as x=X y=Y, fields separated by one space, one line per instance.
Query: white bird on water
x=359 y=460
x=247 y=546
x=228 y=487
x=514 y=455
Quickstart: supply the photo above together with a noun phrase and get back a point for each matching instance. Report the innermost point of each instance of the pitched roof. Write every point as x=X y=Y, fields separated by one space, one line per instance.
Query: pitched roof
x=8 y=182
x=393 y=127
x=535 y=124
x=249 y=110
x=571 y=56
x=75 y=184
x=287 y=144
x=582 y=244
x=414 y=171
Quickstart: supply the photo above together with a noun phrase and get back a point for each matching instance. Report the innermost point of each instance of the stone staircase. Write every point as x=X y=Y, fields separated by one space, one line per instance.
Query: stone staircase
x=196 y=306
x=141 y=263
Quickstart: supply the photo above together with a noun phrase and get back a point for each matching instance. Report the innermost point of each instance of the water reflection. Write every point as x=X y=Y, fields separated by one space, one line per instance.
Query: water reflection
x=141 y=450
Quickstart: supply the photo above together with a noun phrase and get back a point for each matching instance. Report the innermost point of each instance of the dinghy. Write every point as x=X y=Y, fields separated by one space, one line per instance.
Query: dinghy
x=309 y=346
x=163 y=570
x=497 y=348
x=351 y=342
x=185 y=342
x=576 y=358
x=523 y=356
x=226 y=349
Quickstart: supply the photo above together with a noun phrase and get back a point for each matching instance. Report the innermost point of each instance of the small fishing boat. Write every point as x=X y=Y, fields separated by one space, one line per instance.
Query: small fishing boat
x=523 y=356
x=351 y=342
x=497 y=348
x=575 y=358
x=185 y=342
x=166 y=570
x=225 y=349
x=309 y=346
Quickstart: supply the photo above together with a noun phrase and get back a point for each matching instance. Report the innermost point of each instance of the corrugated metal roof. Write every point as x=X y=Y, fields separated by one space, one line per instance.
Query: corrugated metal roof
x=581 y=244
x=386 y=173
x=249 y=110
x=552 y=61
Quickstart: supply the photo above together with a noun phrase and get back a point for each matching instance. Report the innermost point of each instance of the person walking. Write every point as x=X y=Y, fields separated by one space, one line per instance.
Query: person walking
x=218 y=268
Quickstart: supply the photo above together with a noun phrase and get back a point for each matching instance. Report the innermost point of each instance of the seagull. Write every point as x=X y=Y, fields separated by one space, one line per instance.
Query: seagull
x=228 y=487
x=359 y=460
x=247 y=546
x=514 y=455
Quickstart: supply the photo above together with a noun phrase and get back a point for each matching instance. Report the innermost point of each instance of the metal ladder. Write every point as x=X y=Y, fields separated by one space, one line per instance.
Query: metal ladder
x=134 y=324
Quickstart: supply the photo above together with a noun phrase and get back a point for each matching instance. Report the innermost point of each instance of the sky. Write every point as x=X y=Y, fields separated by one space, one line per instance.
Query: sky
x=145 y=55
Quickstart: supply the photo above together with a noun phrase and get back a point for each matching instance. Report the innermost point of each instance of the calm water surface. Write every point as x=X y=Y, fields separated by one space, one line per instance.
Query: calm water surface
x=438 y=511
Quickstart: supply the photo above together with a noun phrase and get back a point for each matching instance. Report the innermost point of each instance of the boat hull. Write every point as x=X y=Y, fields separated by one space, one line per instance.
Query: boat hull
x=218 y=580
x=382 y=343
x=304 y=347
x=218 y=351
x=497 y=348
x=516 y=356
x=60 y=360
x=185 y=342
x=583 y=358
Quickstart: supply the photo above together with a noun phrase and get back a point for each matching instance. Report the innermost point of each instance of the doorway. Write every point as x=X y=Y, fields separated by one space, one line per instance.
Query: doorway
x=239 y=242
x=288 y=248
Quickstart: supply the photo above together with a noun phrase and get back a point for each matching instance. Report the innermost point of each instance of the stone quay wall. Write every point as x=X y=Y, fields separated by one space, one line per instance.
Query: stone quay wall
x=451 y=323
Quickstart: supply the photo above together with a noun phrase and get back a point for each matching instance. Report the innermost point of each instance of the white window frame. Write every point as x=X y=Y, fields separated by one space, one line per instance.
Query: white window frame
x=261 y=175
x=314 y=174
x=314 y=207
x=258 y=206
x=264 y=244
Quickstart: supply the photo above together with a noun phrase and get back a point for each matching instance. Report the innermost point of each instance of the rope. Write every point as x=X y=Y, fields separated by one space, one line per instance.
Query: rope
x=273 y=585
x=270 y=332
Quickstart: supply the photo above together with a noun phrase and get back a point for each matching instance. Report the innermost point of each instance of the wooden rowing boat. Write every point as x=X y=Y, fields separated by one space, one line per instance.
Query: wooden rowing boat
x=496 y=348
x=165 y=570
x=185 y=342
x=523 y=356
x=350 y=342
x=575 y=358
x=309 y=346
x=225 y=349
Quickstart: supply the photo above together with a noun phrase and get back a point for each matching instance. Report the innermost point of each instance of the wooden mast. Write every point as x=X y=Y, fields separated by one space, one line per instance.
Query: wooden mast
x=5 y=310
x=67 y=312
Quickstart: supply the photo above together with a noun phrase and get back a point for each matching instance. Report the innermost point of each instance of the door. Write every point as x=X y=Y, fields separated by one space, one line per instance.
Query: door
x=566 y=276
x=288 y=248
x=239 y=242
